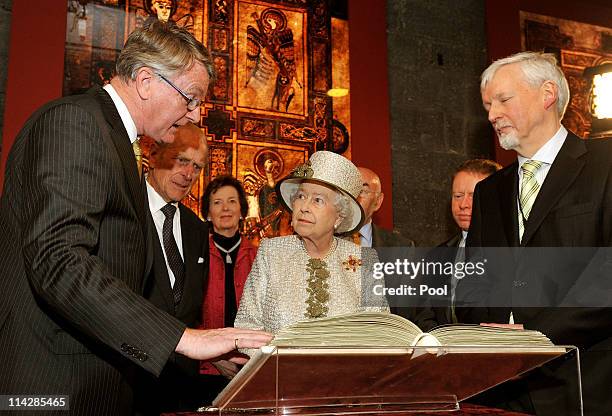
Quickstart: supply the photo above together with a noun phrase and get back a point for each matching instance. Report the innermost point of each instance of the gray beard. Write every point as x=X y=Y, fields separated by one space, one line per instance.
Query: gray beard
x=508 y=141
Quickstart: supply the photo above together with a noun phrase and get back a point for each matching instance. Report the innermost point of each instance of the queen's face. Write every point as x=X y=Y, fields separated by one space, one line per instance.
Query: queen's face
x=314 y=212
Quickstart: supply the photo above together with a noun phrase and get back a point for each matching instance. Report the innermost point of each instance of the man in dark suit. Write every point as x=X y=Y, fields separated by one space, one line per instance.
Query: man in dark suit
x=371 y=199
x=389 y=245
x=465 y=178
x=173 y=170
x=557 y=194
x=74 y=239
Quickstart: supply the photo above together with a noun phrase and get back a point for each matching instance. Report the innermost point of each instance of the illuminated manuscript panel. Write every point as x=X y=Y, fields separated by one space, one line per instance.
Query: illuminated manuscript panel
x=577 y=46
x=271 y=64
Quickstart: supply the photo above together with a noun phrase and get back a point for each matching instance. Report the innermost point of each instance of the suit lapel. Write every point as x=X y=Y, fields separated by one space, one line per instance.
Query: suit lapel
x=562 y=174
x=124 y=149
x=508 y=193
x=192 y=241
x=375 y=236
x=150 y=237
x=454 y=241
x=160 y=273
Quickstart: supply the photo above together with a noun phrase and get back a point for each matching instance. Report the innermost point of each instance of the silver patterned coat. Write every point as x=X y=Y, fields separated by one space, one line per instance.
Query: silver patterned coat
x=276 y=291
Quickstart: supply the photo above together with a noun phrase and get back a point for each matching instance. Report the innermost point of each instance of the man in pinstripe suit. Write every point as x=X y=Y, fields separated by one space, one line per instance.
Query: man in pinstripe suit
x=73 y=236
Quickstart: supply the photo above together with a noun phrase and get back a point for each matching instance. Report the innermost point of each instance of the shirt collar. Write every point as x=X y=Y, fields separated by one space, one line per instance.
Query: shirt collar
x=126 y=118
x=156 y=202
x=548 y=152
x=366 y=231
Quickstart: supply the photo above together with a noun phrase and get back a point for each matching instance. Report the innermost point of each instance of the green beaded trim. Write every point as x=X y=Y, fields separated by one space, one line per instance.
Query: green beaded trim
x=318 y=289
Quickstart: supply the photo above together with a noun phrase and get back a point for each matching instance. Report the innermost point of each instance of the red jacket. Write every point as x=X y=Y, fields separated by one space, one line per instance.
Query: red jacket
x=213 y=307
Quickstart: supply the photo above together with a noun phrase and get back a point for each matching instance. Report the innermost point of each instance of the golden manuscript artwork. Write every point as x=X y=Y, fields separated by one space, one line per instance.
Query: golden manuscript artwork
x=577 y=46
x=269 y=108
x=271 y=61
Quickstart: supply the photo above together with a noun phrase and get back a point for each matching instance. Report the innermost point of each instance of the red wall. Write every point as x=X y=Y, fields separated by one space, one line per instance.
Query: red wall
x=504 y=37
x=35 y=66
x=371 y=141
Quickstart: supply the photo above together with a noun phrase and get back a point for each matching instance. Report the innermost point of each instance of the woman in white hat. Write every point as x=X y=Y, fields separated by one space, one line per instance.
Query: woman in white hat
x=313 y=274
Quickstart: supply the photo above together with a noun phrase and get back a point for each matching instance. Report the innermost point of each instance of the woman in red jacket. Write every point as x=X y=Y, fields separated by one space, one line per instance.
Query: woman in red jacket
x=224 y=204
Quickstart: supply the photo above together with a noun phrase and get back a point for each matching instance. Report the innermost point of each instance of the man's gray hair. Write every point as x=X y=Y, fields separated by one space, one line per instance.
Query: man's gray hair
x=537 y=67
x=163 y=47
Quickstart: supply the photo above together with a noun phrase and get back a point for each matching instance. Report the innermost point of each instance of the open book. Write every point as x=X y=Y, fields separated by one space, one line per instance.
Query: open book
x=377 y=329
x=378 y=357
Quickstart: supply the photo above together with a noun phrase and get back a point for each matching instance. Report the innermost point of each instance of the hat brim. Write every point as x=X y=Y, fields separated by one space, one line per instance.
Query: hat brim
x=287 y=186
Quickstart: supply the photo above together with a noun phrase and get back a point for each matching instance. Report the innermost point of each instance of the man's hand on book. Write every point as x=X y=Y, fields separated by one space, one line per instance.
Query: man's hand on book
x=507 y=326
x=205 y=344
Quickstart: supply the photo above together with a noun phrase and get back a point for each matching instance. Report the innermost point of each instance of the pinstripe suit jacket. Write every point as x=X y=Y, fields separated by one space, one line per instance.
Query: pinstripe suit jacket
x=74 y=250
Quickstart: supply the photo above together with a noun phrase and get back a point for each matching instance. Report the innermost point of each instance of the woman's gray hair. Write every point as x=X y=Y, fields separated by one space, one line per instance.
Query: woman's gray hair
x=345 y=210
x=163 y=47
x=342 y=203
x=537 y=67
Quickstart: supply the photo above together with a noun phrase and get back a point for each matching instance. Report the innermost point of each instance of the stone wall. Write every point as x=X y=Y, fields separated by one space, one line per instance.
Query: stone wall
x=437 y=50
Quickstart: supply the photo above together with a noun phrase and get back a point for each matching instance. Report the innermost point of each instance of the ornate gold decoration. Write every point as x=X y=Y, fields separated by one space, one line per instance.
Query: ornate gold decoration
x=318 y=289
x=303 y=171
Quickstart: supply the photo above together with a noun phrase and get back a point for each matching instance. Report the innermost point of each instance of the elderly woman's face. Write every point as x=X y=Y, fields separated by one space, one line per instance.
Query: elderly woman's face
x=314 y=211
x=224 y=210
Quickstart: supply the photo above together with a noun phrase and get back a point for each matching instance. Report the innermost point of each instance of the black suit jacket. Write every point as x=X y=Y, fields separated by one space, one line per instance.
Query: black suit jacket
x=384 y=238
x=177 y=386
x=74 y=255
x=573 y=209
x=428 y=316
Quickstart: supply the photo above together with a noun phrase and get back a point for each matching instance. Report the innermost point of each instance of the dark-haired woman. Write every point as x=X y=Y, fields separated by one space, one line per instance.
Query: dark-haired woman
x=224 y=204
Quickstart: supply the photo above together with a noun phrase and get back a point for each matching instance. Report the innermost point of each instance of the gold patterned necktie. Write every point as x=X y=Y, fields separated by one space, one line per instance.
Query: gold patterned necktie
x=528 y=192
x=138 y=156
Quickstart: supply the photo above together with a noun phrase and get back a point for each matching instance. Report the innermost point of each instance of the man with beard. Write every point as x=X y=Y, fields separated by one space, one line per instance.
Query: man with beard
x=557 y=194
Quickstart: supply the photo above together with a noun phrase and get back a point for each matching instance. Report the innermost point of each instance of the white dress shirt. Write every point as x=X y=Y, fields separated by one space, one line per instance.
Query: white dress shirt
x=122 y=109
x=365 y=235
x=546 y=154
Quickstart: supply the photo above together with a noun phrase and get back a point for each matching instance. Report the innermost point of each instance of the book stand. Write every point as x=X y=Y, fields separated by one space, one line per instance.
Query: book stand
x=333 y=381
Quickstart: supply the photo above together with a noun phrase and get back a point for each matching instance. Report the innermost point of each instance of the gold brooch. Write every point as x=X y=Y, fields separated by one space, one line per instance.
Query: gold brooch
x=303 y=171
x=353 y=263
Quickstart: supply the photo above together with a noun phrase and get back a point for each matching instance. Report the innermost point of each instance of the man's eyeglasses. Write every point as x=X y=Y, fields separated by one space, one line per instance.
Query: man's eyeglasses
x=192 y=103
x=366 y=191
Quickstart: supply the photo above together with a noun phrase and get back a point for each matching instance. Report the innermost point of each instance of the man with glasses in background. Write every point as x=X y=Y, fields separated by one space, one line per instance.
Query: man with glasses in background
x=371 y=199
x=75 y=240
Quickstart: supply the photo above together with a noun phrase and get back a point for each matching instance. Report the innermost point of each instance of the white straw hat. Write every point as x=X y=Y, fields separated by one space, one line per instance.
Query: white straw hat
x=334 y=171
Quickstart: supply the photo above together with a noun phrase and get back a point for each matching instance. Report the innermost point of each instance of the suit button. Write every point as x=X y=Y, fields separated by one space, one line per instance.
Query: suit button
x=124 y=347
x=143 y=356
x=519 y=283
